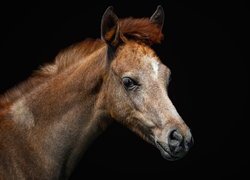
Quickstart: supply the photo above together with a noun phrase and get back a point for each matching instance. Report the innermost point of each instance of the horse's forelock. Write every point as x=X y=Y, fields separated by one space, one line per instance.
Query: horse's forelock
x=141 y=30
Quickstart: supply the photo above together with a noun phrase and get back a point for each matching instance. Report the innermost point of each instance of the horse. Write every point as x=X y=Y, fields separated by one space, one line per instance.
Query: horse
x=48 y=121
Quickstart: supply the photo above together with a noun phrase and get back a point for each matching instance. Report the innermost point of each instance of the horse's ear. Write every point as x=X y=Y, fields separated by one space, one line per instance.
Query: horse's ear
x=158 y=17
x=110 y=31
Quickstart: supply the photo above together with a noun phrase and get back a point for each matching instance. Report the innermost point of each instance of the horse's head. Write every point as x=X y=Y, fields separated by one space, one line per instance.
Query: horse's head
x=137 y=84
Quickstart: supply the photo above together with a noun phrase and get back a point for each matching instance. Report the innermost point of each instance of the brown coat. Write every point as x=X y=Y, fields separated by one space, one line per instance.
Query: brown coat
x=47 y=122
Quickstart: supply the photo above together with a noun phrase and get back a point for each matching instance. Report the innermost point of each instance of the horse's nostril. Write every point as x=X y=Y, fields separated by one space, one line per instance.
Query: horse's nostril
x=175 y=135
x=175 y=141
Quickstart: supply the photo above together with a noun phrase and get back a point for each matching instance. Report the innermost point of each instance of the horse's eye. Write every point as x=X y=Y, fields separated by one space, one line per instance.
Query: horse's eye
x=129 y=83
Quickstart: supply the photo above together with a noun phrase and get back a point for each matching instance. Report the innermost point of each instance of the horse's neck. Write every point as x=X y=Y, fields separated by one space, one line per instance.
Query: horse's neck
x=62 y=116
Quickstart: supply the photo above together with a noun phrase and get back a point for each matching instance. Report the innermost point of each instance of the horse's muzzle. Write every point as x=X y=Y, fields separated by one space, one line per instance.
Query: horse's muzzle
x=176 y=145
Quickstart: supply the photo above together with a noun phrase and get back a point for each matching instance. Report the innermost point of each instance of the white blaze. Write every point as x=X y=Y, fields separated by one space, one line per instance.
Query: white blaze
x=154 y=64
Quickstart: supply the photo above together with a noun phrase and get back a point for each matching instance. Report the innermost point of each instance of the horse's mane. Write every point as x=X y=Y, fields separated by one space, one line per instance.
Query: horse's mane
x=142 y=30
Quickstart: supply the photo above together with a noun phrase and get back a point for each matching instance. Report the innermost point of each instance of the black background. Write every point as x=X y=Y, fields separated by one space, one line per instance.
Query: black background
x=204 y=47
